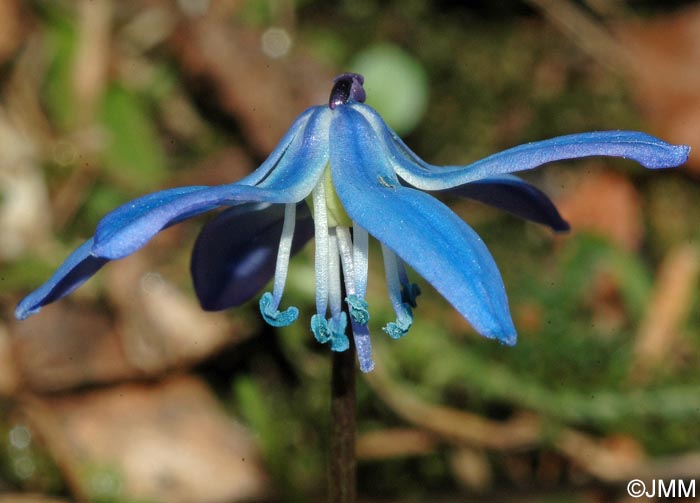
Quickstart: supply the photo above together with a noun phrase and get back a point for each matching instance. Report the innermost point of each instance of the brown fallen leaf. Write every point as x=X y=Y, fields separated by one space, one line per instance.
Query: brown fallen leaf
x=665 y=74
x=668 y=308
x=66 y=347
x=605 y=203
x=161 y=327
x=226 y=63
x=395 y=443
x=9 y=378
x=11 y=28
x=29 y=498
x=167 y=441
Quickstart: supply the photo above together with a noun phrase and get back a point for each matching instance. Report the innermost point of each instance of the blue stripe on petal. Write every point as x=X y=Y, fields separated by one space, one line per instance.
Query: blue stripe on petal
x=510 y=193
x=132 y=225
x=280 y=150
x=298 y=171
x=649 y=151
x=75 y=270
x=234 y=255
x=422 y=231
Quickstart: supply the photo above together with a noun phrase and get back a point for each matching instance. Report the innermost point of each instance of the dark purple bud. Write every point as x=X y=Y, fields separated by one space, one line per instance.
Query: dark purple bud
x=348 y=86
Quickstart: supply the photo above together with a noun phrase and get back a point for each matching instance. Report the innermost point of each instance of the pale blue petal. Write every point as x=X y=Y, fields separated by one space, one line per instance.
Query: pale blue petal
x=132 y=225
x=300 y=168
x=75 y=270
x=280 y=150
x=510 y=193
x=418 y=228
x=647 y=150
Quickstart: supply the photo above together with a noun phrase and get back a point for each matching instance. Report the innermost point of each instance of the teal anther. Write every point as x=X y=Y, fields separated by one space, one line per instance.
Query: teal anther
x=275 y=317
x=339 y=341
x=319 y=326
x=358 y=309
x=403 y=323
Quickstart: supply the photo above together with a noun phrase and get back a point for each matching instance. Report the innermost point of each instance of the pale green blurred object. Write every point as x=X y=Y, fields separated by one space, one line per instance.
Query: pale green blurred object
x=396 y=85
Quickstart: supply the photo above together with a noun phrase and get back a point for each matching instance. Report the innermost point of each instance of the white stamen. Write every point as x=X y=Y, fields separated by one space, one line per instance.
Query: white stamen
x=360 y=254
x=393 y=283
x=321 y=238
x=335 y=292
x=284 y=251
x=346 y=258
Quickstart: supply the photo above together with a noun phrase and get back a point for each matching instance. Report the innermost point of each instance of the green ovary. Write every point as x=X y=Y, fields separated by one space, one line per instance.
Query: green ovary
x=334 y=208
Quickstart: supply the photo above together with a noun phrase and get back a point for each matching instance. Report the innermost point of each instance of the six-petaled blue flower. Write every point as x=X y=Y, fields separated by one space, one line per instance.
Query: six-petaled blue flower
x=339 y=175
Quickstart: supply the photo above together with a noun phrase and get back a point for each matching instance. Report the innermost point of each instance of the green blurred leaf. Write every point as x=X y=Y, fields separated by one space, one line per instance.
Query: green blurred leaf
x=134 y=155
x=60 y=42
x=396 y=85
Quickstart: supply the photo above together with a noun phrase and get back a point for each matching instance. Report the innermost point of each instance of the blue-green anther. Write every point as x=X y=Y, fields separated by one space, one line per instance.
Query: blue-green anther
x=358 y=309
x=319 y=326
x=339 y=341
x=332 y=331
x=403 y=322
x=274 y=316
x=409 y=292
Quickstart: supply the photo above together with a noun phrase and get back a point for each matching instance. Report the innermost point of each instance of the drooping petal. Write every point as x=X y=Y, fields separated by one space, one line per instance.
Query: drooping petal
x=280 y=150
x=510 y=193
x=418 y=228
x=647 y=150
x=235 y=253
x=75 y=270
x=132 y=225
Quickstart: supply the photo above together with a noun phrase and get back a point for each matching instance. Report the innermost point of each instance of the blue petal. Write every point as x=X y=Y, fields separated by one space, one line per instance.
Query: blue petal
x=75 y=270
x=129 y=227
x=417 y=227
x=648 y=150
x=271 y=162
x=235 y=253
x=510 y=193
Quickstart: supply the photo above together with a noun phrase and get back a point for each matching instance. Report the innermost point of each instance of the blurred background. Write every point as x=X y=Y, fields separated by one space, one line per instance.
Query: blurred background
x=127 y=392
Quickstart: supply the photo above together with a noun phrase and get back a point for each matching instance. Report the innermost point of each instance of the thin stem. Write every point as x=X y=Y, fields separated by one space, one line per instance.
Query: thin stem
x=342 y=478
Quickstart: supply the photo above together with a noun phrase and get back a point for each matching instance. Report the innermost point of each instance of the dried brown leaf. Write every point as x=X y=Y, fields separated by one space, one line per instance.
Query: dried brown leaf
x=665 y=74
x=605 y=203
x=169 y=441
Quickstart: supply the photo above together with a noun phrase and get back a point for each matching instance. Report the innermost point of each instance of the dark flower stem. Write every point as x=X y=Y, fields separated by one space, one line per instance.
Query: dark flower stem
x=341 y=472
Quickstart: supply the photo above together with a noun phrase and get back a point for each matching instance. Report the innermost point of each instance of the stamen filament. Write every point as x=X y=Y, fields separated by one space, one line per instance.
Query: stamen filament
x=360 y=254
x=283 y=253
x=404 y=316
x=321 y=256
x=339 y=320
x=346 y=258
x=363 y=345
x=334 y=289
x=270 y=302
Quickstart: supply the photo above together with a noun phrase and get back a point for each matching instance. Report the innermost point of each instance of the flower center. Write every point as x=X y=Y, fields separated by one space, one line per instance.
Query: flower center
x=335 y=213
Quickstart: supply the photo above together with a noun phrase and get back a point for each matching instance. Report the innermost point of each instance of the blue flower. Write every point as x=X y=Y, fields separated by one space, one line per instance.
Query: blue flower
x=340 y=174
